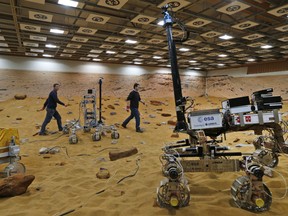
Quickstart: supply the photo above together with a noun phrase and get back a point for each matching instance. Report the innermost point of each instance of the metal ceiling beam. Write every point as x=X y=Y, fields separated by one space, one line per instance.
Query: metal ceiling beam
x=13 y=10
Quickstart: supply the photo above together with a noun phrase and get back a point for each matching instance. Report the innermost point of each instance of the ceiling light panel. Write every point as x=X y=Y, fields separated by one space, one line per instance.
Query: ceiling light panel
x=92 y=55
x=253 y=36
x=96 y=51
x=130 y=52
x=282 y=28
x=107 y=46
x=187 y=53
x=159 y=53
x=115 y=4
x=69 y=51
x=129 y=31
x=192 y=42
x=176 y=33
x=284 y=47
x=75 y=46
x=235 y=50
x=143 y=19
x=85 y=59
x=120 y=56
x=198 y=22
x=211 y=34
x=29 y=27
x=226 y=43
x=145 y=56
x=88 y=31
x=141 y=47
x=233 y=8
x=79 y=39
x=37 y=50
x=175 y=4
x=205 y=49
x=155 y=41
x=263 y=51
x=279 y=11
x=245 y=25
x=65 y=55
x=258 y=44
x=40 y=16
x=31 y=54
x=70 y=3
x=30 y=44
x=97 y=18
x=38 y=38
x=5 y=50
x=284 y=39
x=113 y=39
x=3 y=45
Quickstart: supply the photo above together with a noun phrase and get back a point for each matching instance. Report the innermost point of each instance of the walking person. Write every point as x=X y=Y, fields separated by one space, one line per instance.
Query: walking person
x=50 y=105
x=133 y=100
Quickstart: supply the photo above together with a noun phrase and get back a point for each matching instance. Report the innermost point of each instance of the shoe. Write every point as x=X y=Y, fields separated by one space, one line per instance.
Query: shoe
x=43 y=133
x=139 y=130
x=124 y=126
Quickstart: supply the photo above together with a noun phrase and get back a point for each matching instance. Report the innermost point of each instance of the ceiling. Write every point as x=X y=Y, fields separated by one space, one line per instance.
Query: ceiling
x=97 y=26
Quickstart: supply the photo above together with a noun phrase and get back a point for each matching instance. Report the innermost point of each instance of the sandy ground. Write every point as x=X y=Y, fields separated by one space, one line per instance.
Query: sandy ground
x=66 y=181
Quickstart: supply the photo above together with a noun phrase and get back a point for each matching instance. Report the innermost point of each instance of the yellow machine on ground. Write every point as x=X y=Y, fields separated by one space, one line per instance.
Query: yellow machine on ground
x=9 y=152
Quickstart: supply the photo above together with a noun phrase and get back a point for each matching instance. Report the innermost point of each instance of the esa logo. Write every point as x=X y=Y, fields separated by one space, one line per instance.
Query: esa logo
x=205 y=119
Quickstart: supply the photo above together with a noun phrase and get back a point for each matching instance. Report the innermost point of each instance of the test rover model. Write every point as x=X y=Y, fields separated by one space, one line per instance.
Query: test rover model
x=201 y=151
x=90 y=121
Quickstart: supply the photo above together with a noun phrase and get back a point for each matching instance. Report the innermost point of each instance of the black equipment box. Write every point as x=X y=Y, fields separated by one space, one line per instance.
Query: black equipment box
x=263 y=92
x=264 y=100
x=240 y=101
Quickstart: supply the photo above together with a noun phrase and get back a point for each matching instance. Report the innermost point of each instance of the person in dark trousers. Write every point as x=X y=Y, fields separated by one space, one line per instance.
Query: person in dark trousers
x=50 y=105
x=133 y=100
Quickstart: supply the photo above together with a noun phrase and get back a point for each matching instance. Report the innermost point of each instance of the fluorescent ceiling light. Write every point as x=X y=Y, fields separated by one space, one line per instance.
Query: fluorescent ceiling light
x=197 y=68
x=192 y=61
x=131 y=41
x=110 y=52
x=251 y=60
x=222 y=55
x=184 y=49
x=168 y=65
x=47 y=55
x=161 y=23
x=267 y=46
x=95 y=59
x=220 y=64
x=57 y=31
x=50 y=46
x=68 y=3
x=137 y=62
x=226 y=37
x=157 y=57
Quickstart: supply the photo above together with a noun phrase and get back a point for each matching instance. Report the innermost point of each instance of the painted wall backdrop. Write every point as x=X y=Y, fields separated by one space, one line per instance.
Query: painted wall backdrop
x=35 y=77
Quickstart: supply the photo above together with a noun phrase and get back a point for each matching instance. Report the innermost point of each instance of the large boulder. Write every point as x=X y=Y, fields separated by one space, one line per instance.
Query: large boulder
x=117 y=154
x=15 y=185
x=20 y=96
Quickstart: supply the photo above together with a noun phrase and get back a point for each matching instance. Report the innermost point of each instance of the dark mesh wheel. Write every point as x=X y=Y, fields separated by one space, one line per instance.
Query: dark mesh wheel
x=96 y=136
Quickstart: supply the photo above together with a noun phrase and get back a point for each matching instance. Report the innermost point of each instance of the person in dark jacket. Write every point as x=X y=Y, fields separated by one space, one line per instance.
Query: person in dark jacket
x=133 y=100
x=50 y=105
